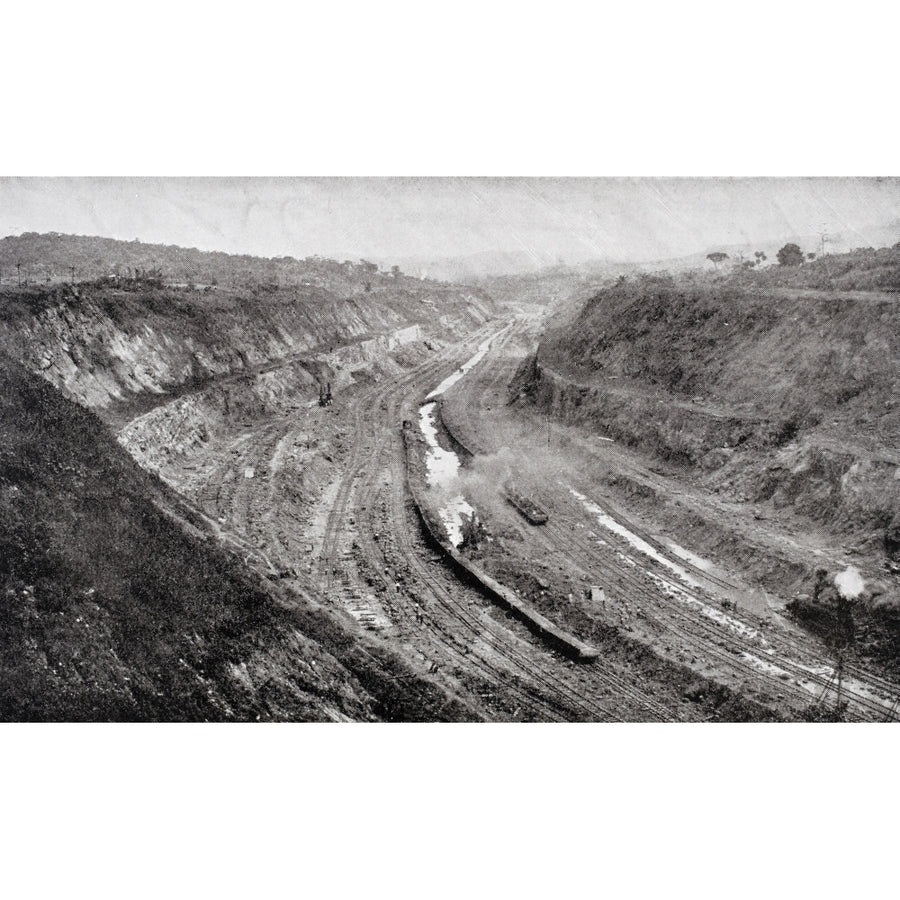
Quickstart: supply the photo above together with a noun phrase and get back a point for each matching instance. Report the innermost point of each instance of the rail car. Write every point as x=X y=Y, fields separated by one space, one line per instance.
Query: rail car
x=526 y=507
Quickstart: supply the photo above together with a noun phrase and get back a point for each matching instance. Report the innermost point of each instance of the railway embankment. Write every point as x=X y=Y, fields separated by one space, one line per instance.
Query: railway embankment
x=436 y=534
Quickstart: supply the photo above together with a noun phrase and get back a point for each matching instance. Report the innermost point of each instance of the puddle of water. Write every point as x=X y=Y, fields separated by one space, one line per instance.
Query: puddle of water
x=771 y=669
x=442 y=472
x=442 y=466
x=767 y=667
x=692 y=558
x=451 y=514
x=669 y=587
x=858 y=687
x=639 y=544
x=710 y=612
x=466 y=367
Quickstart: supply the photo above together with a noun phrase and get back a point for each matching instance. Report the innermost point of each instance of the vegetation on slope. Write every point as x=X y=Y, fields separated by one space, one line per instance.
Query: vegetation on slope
x=39 y=258
x=864 y=269
x=799 y=359
x=114 y=341
x=114 y=605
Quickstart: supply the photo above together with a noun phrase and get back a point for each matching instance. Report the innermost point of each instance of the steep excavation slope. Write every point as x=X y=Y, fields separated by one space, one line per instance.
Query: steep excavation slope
x=719 y=378
x=118 y=604
x=775 y=404
x=121 y=601
x=116 y=345
x=172 y=366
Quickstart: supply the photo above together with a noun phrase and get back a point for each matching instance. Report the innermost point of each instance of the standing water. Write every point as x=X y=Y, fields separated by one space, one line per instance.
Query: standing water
x=442 y=466
x=466 y=367
x=442 y=473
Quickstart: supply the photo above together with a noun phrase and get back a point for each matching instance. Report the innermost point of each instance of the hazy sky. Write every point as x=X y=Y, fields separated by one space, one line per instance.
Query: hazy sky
x=548 y=218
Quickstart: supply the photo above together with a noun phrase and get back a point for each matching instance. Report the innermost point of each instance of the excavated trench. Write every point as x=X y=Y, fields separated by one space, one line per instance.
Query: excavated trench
x=684 y=577
x=239 y=419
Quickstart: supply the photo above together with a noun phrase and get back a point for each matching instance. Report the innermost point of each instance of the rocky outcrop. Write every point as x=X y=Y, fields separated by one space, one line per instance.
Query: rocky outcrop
x=679 y=431
x=114 y=350
x=851 y=489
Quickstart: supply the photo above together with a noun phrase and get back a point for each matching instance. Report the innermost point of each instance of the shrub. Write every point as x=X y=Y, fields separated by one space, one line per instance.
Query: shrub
x=790 y=255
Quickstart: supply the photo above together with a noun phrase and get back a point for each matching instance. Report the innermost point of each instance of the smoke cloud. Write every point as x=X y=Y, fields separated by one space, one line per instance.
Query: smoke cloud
x=849 y=583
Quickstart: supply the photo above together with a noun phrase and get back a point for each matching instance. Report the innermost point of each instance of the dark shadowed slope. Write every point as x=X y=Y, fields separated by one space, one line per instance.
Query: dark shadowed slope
x=116 y=606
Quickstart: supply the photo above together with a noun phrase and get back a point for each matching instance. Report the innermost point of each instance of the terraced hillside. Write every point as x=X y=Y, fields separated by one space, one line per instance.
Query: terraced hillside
x=123 y=598
x=774 y=403
x=117 y=345
x=717 y=377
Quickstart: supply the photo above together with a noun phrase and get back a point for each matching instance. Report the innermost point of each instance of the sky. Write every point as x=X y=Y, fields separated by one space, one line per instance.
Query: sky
x=549 y=219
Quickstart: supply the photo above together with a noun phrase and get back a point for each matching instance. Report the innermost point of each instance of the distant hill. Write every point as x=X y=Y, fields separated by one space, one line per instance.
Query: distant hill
x=859 y=270
x=837 y=243
x=52 y=257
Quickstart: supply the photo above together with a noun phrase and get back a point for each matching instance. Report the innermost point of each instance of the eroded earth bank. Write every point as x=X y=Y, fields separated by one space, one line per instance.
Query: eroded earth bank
x=366 y=496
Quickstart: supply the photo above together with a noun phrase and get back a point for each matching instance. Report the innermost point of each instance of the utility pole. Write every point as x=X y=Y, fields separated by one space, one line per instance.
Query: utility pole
x=844 y=639
x=840 y=679
x=19 y=273
x=890 y=713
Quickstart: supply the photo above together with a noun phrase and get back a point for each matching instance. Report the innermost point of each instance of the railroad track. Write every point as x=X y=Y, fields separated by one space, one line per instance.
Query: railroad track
x=620 y=580
x=617 y=684
x=437 y=620
x=365 y=404
x=560 y=695
x=365 y=429
x=567 y=542
x=692 y=622
x=223 y=493
x=695 y=630
x=783 y=648
x=597 y=672
x=489 y=653
x=575 y=692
